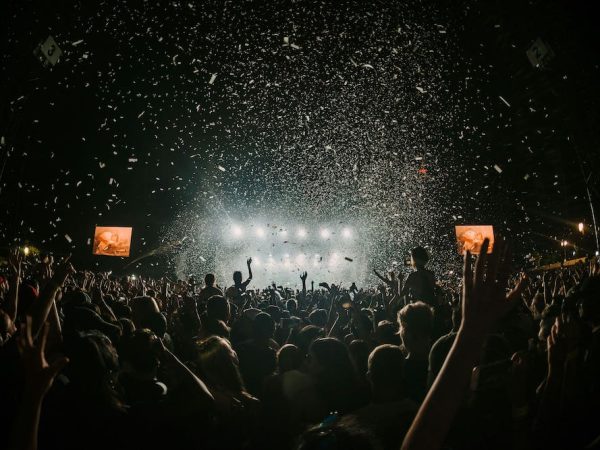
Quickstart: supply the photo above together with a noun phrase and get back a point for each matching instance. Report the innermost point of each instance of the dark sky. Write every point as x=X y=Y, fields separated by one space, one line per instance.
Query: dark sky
x=317 y=111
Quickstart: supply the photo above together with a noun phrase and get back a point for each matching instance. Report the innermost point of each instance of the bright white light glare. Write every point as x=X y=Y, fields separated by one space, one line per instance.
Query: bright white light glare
x=324 y=233
x=237 y=231
x=283 y=233
x=347 y=233
x=260 y=232
x=255 y=261
x=300 y=258
x=580 y=227
x=333 y=259
x=26 y=250
x=301 y=232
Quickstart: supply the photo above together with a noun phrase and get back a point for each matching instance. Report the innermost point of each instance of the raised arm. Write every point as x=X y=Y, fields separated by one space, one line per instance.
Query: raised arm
x=15 y=258
x=40 y=309
x=386 y=280
x=249 y=264
x=484 y=301
x=303 y=277
x=38 y=375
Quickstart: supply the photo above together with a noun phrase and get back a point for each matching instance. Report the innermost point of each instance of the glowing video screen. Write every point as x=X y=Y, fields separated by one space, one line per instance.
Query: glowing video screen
x=112 y=241
x=470 y=237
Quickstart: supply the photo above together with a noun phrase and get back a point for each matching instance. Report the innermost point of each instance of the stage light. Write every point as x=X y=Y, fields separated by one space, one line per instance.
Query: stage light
x=260 y=232
x=324 y=233
x=580 y=226
x=237 y=231
x=347 y=233
x=26 y=250
x=301 y=232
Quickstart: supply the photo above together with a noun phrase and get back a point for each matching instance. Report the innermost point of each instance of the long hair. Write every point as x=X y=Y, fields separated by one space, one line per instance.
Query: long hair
x=218 y=364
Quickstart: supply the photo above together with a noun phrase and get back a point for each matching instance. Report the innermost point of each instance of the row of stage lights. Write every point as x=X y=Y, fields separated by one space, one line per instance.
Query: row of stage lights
x=301 y=259
x=239 y=232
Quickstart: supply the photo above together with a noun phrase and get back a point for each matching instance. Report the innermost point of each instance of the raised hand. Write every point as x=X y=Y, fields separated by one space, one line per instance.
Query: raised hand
x=15 y=259
x=485 y=299
x=303 y=277
x=248 y=262
x=63 y=271
x=39 y=374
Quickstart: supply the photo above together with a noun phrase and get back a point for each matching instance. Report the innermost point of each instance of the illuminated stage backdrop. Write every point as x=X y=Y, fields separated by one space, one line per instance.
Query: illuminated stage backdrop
x=281 y=252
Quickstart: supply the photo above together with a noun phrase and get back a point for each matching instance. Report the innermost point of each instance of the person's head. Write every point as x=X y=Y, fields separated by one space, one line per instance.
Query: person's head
x=139 y=354
x=419 y=257
x=274 y=311
x=217 y=308
x=157 y=323
x=292 y=306
x=209 y=279
x=330 y=357
x=237 y=277
x=416 y=326
x=92 y=368
x=387 y=333
x=338 y=435
x=218 y=364
x=306 y=336
x=318 y=317
x=263 y=326
x=385 y=374
x=141 y=309
x=289 y=358
x=7 y=327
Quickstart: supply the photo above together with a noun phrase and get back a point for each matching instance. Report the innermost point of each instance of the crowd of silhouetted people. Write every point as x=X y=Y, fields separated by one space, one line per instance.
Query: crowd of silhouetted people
x=500 y=360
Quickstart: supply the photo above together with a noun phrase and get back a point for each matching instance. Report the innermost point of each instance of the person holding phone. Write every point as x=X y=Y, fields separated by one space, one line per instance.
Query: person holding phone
x=420 y=284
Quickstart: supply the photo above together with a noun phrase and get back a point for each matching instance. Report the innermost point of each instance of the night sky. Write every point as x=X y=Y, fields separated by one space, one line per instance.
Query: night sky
x=403 y=118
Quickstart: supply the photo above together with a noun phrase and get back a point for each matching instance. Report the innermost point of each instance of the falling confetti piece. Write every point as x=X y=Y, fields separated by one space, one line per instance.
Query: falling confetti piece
x=505 y=102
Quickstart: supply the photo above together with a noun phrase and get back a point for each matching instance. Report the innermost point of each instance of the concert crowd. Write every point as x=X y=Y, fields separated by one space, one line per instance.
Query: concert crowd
x=500 y=360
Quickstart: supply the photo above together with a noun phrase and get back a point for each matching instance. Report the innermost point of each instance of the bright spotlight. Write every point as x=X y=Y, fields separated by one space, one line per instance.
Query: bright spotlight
x=301 y=232
x=260 y=232
x=347 y=233
x=26 y=250
x=580 y=226
x=237 y=231
x=324 y=233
